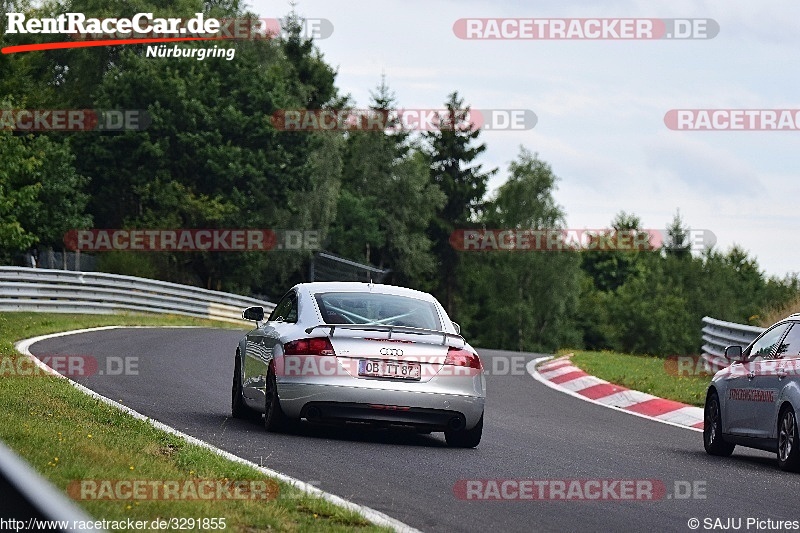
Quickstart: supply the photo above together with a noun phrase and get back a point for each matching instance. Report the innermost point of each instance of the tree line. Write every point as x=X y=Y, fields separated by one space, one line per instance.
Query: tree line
x=212 y=158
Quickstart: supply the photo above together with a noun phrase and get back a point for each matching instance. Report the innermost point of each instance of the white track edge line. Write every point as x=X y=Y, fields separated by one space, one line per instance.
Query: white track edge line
x=531 y=368
x=374 y=516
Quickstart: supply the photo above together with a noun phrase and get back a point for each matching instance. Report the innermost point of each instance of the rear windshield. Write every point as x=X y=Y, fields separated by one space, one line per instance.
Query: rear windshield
x=371 y=308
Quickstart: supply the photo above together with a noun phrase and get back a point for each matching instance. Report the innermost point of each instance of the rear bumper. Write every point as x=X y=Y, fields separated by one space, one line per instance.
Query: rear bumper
x=368 y=404
x=433 y=419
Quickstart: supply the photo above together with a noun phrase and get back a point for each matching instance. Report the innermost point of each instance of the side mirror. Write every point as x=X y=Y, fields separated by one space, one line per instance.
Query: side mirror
x=734 y=353
x=253 y=313
x=458 y=327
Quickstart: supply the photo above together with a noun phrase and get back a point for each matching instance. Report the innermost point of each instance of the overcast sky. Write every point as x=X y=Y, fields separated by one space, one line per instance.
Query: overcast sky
x=601 y=104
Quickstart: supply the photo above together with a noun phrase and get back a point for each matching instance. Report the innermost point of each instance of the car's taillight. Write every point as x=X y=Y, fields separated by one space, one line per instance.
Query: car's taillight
x=312 y=346
x=461 y=357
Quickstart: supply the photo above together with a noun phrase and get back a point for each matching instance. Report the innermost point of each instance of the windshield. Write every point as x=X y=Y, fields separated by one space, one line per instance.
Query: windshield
x=382 y=309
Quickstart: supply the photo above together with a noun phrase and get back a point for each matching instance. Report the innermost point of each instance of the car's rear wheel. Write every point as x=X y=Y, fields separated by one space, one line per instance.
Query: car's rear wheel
x=239 y=409
x=274 y=418
x=788 y=442
x=712 y=428
x=465 y=438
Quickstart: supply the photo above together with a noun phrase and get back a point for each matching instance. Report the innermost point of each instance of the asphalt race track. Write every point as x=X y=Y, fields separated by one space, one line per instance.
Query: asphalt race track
x=530 y=432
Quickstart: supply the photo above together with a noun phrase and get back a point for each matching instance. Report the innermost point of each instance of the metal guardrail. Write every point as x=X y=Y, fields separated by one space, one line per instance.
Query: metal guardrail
x=63 y=291
x=717 y=334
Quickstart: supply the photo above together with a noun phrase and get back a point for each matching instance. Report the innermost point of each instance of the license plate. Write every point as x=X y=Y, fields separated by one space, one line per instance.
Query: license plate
x=375 y=368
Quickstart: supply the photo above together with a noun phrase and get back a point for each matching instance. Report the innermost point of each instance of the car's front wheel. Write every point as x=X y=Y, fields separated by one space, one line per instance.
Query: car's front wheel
x=274 y=418
x=465 y=438
x=239 y=409
x=712 y=428
x=788 y=445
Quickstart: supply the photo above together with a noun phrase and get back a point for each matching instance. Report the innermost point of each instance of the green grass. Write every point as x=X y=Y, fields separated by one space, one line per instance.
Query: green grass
x=68 y=436
x=653 y=375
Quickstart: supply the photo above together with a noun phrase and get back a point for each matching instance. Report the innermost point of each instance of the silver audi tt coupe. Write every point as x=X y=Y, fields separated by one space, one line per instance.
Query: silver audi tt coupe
x=343 y=352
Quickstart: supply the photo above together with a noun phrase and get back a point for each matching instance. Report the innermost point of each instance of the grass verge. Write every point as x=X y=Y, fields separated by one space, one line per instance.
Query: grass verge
x=68 y=436
x=653 y=375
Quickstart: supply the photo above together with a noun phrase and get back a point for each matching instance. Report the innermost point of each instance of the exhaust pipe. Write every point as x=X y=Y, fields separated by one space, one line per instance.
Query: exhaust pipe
x=455 y=423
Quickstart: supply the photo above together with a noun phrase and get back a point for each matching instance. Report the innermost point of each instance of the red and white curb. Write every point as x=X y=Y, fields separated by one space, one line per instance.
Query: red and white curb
x=560 y=374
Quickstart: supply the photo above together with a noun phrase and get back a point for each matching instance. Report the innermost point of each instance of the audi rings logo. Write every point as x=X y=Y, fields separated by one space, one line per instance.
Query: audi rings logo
x=394 y=352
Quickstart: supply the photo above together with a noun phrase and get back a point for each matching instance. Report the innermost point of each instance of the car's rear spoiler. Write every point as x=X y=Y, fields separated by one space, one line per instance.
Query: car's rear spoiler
x=390 y=329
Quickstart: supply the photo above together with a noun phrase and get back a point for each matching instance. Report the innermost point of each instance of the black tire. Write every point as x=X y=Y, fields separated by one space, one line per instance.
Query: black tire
x=239 y=409
x=275 y=420
x=465 y=438
x=712 y=428
x=788 y=442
